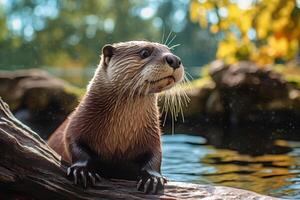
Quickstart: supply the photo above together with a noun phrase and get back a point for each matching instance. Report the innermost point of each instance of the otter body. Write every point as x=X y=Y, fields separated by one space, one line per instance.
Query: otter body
x=115 y=130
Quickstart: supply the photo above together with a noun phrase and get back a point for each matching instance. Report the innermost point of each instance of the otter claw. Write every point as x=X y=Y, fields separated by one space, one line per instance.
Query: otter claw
x=98 y=177
x=139 y=184
x=68 y=171
x=162 y=181
x=75 y=176
x=151 y=183
x=154 y=188
x=146 y=185
x=92 y=178
x=81 y=175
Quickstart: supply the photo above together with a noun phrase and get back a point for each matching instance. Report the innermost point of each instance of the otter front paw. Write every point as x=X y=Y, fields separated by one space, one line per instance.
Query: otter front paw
x=82 y=173
x=151 y=182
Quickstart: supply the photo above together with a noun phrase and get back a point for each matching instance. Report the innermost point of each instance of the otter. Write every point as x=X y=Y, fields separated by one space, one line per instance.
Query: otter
x=115 y=131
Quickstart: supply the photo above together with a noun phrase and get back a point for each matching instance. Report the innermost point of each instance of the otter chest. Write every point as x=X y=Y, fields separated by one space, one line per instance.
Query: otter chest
x=126 y=134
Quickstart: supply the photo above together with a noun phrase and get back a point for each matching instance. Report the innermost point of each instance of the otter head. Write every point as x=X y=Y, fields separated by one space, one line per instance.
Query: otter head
x=140 y=67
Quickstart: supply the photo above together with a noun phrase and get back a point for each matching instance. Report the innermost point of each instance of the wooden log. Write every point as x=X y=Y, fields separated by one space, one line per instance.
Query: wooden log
x=30 y=168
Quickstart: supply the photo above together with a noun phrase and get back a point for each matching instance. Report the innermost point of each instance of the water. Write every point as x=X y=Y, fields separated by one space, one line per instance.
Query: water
x=194 y=159
x=260 y=158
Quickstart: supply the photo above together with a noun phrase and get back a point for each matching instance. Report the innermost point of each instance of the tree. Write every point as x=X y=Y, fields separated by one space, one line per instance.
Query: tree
x=197 y=46
x=66 y=33
x=262 y=31
x=70 y=33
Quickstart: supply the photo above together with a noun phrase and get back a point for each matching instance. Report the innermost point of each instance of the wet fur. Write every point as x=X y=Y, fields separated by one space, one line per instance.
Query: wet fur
x=117 y=122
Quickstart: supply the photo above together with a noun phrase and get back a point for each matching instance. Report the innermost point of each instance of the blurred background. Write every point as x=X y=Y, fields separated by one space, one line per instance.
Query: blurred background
x=241 y=126
x=68 y=36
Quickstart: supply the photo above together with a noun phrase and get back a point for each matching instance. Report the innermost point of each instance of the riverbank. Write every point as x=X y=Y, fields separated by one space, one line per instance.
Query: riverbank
x=244 y=93
x=227 y=95
x=30 y=169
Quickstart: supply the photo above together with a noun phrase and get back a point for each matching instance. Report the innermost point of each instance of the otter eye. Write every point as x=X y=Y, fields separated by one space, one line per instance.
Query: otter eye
x=145 y=53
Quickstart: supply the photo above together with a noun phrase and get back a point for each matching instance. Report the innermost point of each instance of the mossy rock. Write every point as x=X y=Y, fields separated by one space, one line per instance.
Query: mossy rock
x=244 y=92
x=37 y=98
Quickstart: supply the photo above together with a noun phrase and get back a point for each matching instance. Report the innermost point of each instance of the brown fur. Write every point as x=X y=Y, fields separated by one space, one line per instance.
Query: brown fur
x=118 y=118
x=105 y=130
x=56 y=140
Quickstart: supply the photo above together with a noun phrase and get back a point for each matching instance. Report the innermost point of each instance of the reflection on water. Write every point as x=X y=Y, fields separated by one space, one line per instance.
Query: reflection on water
x=262 y=159
x=263 y=162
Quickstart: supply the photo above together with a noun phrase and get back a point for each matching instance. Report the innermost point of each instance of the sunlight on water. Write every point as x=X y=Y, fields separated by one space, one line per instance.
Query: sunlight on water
x=188 y=158
x=181 y=156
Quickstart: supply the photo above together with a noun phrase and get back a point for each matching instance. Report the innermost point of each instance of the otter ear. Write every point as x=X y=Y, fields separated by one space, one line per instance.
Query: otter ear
x=107 y=52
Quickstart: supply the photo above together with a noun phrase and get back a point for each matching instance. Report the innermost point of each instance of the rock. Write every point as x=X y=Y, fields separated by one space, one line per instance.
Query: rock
x=245 y=92
x=265 y=83
x=198 y=99
x=209 y=192
x=38 y=99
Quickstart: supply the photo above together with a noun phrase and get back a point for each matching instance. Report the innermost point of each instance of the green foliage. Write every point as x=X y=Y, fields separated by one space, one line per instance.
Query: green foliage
x=75 y=37
x=72 y=34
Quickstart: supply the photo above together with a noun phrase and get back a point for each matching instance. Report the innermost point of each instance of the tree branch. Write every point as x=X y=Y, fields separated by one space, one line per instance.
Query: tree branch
x=30 y=168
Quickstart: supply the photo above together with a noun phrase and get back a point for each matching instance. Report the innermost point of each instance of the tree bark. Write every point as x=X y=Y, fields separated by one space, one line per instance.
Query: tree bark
x=30 y=168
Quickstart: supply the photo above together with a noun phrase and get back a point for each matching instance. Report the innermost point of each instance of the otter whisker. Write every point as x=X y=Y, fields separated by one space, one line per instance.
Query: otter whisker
x=169 y=43
x=174 y=46
x=165 y=108
x=174 y=101
x=186 y=99
x=115 y=95
x=183 y=100
x=188 y=74
x=163 y=36
x=172 y=117
x=186 y=84
x=170 y=33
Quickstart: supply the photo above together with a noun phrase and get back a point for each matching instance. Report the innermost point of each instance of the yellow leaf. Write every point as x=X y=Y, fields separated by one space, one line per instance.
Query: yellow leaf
x=214 y=28
x=263 y=22
x=276 y=24
x=194 y=6
x=245 y=23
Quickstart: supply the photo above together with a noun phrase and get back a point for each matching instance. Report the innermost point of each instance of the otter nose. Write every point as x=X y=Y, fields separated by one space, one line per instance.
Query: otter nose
x=173 y=61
